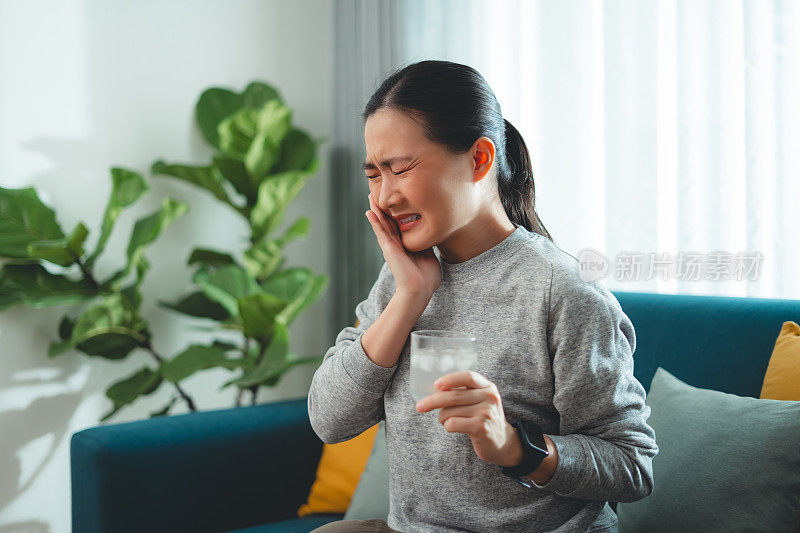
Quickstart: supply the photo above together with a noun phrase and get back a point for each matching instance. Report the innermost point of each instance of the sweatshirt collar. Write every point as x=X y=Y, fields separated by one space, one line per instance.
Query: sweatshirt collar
x=484 y=262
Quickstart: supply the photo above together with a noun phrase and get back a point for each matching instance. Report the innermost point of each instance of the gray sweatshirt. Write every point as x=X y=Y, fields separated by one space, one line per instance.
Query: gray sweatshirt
x=560 y=351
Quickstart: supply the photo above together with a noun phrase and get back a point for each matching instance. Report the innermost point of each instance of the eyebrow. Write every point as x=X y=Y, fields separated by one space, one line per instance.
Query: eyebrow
x=387 y=163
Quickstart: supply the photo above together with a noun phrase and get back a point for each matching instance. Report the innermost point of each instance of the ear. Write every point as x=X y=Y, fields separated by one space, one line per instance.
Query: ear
x=483 y=157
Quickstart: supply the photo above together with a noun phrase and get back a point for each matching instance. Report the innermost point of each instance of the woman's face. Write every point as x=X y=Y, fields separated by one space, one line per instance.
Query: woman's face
x=408 y=173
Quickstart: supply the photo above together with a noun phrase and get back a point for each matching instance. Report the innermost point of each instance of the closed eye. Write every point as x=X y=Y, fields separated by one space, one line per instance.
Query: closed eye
x=395 y=173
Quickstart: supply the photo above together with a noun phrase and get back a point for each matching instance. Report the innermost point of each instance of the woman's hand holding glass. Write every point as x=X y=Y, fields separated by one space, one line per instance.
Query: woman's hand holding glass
x=416 y=273
x=477 y=411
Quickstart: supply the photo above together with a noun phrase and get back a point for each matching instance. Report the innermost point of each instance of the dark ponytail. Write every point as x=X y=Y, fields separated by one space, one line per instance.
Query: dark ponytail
x=455 y=106
x=517 y=190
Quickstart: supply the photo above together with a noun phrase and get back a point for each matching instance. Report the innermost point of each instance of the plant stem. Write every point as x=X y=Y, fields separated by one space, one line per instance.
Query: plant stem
x=245 y=355
x=87 y=273
x=254 y=388
x=189 y=402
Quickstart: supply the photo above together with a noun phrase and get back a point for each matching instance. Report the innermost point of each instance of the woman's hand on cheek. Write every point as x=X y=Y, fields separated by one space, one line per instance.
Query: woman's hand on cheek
x=416 y=273
x=476 y=411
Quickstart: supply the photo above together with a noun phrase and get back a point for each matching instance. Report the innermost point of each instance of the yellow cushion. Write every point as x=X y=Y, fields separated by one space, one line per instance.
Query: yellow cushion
x=340 y=467
x=782 y=380
x=339 y=470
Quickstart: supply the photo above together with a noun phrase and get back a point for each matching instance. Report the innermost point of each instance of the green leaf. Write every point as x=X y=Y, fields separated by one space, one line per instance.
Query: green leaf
x=297 y=152
x=24 y=219
x=263 y=259
x=64 y=251
x=224 y=346
x=237 y=132
x=274 y=122
x=257 y=93
x=33 y=286
x=225 y=285
x=232 y=324
x=57 y=348
x=109 y=328
x=234 y=171
x=210 y=257
x=259 y=312
x=290 y=284
x=127 y=187
x=266 y=257
x=64 y=332
x=269 y=377
x=274 y=196
x=292 y=361
x=208 y=178
x=145 y=231
x=198 y=305
x=297 y=285
x=112 y=344
x=133 y=292
x=164 y=410
x=310 y=295
x=125 y=391
x=216 y=103
x=194 y=358
x=65 y=327
x=300 y=228
x=273 y=362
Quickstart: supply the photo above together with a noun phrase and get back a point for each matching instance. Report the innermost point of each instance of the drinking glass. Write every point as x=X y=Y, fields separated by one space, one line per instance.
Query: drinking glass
x=435 y=353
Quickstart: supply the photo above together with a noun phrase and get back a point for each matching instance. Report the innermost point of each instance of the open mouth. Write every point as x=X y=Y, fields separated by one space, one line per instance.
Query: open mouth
x=409 y=222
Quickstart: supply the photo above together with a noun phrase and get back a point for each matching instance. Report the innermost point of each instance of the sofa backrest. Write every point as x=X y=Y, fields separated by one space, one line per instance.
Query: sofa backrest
x=715 y=342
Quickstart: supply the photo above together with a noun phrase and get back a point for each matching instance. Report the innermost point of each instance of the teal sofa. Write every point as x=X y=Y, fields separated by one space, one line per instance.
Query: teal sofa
x=248 y=469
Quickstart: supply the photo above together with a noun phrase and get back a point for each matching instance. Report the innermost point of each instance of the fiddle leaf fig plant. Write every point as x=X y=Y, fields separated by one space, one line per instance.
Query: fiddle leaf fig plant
x=110 y=324
x=260 y=164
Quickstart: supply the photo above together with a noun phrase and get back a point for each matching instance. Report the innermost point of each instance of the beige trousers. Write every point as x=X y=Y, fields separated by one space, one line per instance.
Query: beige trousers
x=356 y=526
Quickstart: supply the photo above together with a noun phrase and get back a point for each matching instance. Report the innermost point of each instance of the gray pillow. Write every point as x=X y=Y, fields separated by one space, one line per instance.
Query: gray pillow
x=725 y=463
x=371 y=497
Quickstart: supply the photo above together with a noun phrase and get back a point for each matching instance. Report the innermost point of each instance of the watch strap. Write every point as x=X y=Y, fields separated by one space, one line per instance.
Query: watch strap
x=534 y=450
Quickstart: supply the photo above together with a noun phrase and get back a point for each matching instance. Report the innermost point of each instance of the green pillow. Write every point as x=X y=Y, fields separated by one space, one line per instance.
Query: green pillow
x=371 y=497
x=725 y=463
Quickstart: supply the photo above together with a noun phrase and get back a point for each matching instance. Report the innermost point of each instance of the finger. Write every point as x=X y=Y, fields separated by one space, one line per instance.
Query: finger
x=382 y=217
x=449 y=398
x=460 y=424
x=376 y=226
x=466 y=411
x=380 y=232
x=467 y=378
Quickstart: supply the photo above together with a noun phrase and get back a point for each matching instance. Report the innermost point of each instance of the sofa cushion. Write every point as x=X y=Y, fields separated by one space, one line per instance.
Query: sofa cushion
x=725 y=462
x=782 y=379
x=338 y=472
x=371 y=498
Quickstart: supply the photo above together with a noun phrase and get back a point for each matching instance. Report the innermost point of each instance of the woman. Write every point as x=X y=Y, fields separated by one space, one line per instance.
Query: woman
x=554 y=351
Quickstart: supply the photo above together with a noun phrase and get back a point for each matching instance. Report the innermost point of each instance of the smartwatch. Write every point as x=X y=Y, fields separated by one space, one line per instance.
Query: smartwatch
x=534 y=450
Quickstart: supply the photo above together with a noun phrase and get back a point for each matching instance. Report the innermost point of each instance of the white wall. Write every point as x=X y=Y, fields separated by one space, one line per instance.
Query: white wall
x=87 y=85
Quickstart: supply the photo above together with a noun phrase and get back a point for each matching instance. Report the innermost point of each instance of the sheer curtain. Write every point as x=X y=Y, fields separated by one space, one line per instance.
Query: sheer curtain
x=660 y=131
x=366 y=36
x=665 y=135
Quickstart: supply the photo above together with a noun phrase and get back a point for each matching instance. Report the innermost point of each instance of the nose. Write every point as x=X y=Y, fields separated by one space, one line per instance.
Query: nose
x=386 y=195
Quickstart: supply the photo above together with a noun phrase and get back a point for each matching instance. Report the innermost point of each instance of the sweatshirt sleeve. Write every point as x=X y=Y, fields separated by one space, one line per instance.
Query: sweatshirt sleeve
x=346 y=393
x=605 y=445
